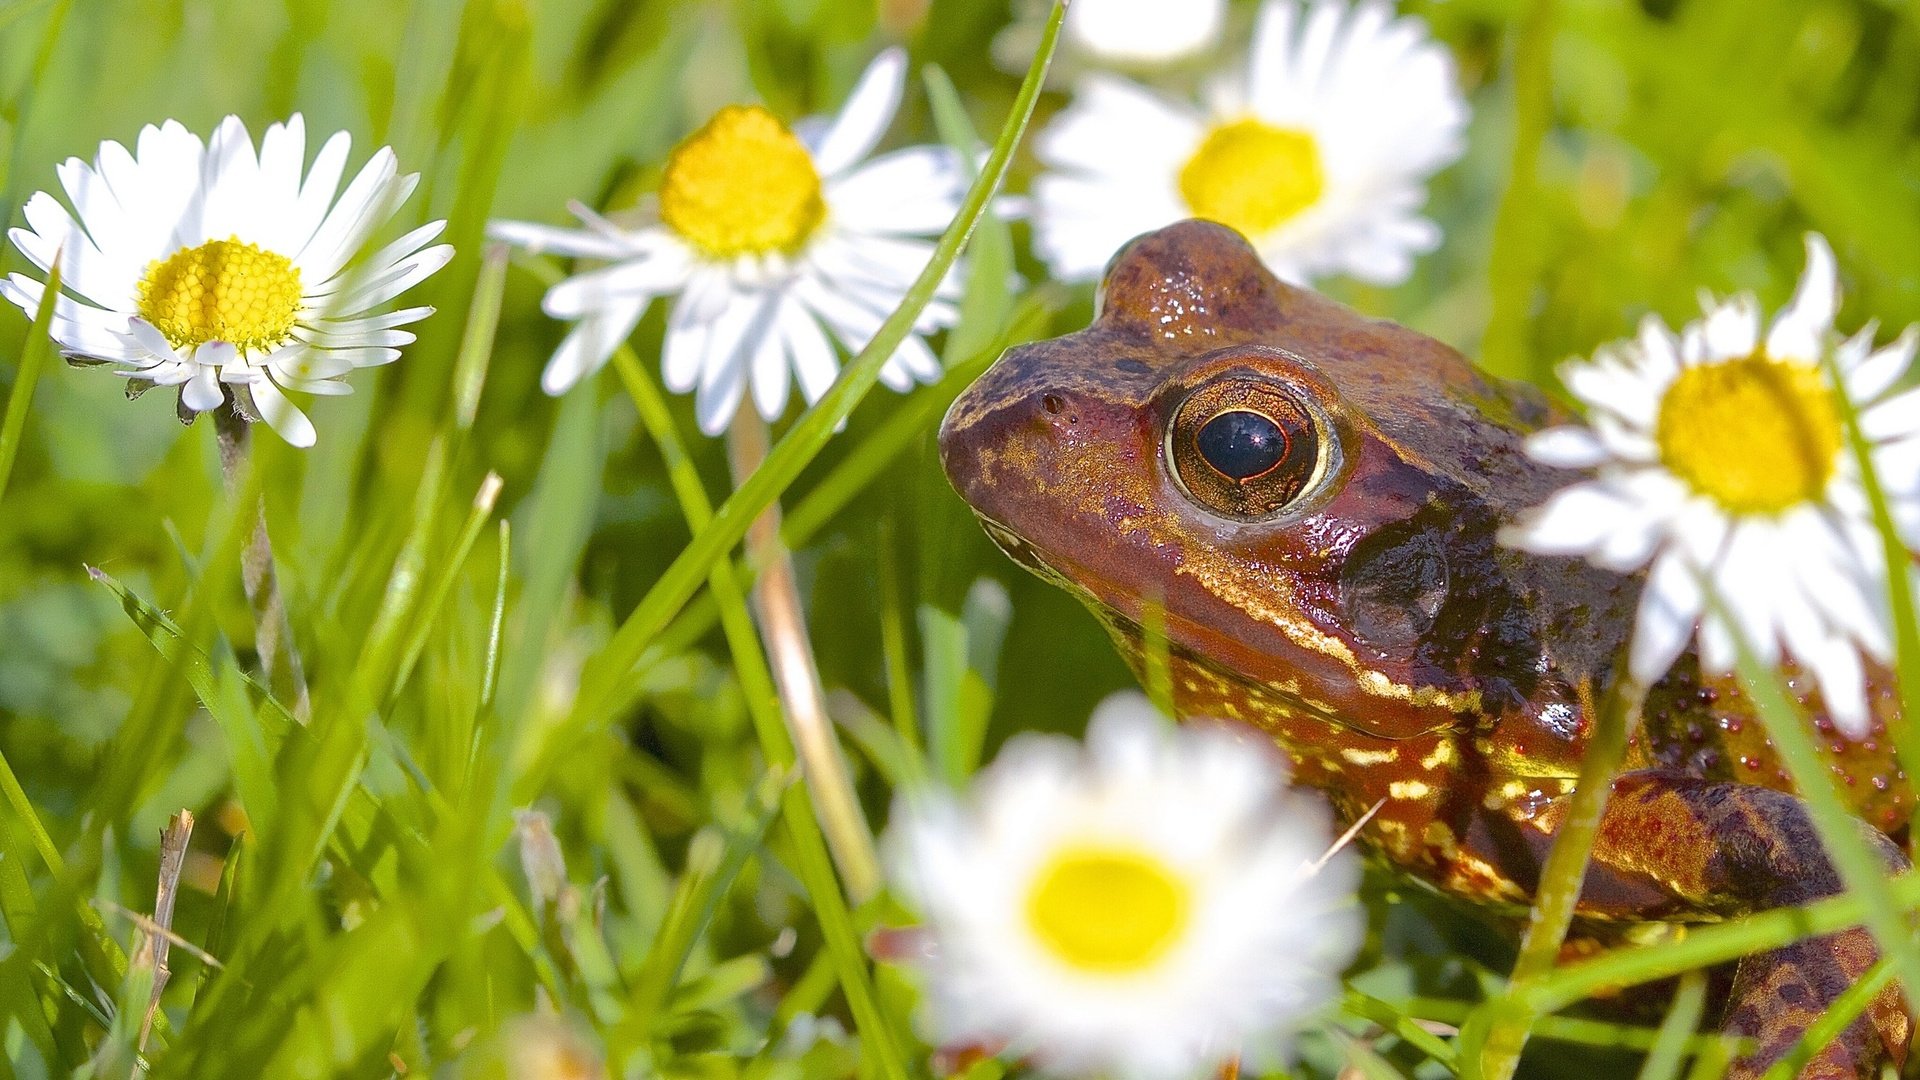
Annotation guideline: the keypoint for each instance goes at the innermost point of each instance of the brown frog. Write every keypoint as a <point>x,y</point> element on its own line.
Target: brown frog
<point>1309,499</point>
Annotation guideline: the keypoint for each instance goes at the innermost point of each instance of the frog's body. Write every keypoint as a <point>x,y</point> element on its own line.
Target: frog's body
<point>1353,600</point>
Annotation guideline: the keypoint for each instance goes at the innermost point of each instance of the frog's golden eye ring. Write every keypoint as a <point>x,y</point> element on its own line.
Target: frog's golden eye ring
<point>1247,448</point>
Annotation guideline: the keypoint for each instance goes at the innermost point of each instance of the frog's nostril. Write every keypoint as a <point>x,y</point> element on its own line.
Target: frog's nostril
<point>1055,408</point>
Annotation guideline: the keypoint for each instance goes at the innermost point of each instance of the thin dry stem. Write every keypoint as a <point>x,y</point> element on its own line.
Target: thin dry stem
<point>783,626</point>
<point>159,937</point>
<point>145,924</point>
<point>273,635</point>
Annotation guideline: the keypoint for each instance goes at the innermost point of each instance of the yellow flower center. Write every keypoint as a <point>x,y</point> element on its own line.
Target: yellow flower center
<point>223,290</point>
<point>742,185</point>
<point>1108,911</point>
<point>1756,435</point>
<point>1252,176</point>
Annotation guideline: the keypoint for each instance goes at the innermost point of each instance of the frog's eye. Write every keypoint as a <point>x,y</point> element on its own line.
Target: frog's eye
<point>1246,449</point>
<point>1242,444</point>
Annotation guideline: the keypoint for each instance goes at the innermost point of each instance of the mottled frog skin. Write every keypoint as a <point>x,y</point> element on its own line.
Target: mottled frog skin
<point>1310,499</point>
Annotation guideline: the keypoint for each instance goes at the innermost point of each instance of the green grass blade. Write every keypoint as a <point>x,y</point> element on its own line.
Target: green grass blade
<point>987,304</point>
<point>1669,1050</point>
<point>1491,1042</point>
<point>24,813</point>
<point>1706,946</point>
<point>451,565</point>
<point>557,519</point>
<point>1515,262</point>
<point>893,644</point>
<point>1580,1030</point>
<point>713,862</point>
<point>1405,1027</point>
<point>33,357</point>
<point>28,920</point>
<point>496,624</point>
<point>961,663</point>
<point>1364,1061</point>
<point>15,113</point>
<point>220,691</point>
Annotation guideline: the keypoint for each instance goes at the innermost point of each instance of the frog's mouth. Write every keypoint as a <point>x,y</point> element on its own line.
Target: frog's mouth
<point>1022,552</point>
<point>1130,636</point>
<point>1028,556</point>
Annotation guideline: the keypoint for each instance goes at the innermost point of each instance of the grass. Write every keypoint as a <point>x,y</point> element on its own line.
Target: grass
<point>547,772</point>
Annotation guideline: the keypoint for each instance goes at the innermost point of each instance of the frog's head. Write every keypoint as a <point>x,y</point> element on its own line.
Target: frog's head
<point>1309,496</point>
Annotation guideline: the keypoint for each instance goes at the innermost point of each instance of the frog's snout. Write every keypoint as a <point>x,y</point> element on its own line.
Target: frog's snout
<point>996,427</point>
<point>1024,439</point>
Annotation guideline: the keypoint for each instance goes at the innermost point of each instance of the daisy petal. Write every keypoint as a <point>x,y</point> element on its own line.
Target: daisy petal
<point>280,414</point>
<point>771,375</point>
<point>1801,330</point>
<point>1670,606</point>
<point>1566,448</point>
<point>813,358</point>
<point>1574,522</point>
<point>589,344</point>
<point>202,392</point>
<point>865,116</point>
<point>369,200</point>
<point>540,239</point>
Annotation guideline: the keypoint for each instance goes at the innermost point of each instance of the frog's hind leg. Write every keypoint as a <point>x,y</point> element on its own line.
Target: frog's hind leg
<point>1777,994</point>
<point>1673,846</point>
<point>1730,849</point>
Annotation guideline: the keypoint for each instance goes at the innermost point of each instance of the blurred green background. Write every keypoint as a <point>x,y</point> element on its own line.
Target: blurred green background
<point>1621,156</point>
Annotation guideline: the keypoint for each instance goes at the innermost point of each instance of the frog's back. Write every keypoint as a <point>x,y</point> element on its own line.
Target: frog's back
<point>1706,726</point>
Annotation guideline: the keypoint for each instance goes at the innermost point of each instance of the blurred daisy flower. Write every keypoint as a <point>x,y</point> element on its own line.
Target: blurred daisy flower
<point>772,239</point>
<point>1134,35</point>
<point>1721,459</point>
<point>228,273</point>
<point>1318,151</point>
<point>1147,906</point>
<point>544,1047</point>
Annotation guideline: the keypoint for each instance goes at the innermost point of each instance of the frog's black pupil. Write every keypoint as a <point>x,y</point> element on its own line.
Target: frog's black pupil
<point>1241,444</point>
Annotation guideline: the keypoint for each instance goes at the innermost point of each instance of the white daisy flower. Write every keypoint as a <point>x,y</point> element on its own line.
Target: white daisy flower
<point>772,239</point>
<point>1317,152</point>
<point>1721,459</point>
<point>1146,907</point>
<point>1137,35</point>
<point>208,266</point>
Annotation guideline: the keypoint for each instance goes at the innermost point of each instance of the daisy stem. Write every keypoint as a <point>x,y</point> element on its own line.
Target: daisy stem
<point>1562,877</point>
<point>783,623</point>
<point>273,636</point>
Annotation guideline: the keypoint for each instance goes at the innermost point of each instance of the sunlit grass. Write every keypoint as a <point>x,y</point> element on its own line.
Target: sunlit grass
<point>547,771</point>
